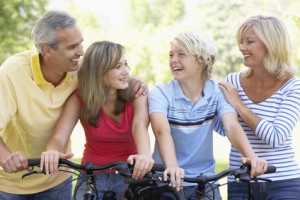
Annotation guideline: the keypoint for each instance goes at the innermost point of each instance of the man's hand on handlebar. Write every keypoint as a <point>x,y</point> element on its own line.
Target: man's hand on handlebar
<point>139,87</point>
<point>49,160</point>
<point>142,165</point>
<point>15,162</point>
<point>258,166</point>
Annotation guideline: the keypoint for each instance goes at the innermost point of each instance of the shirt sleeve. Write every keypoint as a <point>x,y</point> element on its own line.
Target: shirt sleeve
<point>8,105</point>
<point>275,133</point>
<point>158,101</point>
<point>223,107</point>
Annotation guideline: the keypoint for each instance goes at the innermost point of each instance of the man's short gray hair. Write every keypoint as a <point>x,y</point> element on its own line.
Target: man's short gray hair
<point>44,30</point>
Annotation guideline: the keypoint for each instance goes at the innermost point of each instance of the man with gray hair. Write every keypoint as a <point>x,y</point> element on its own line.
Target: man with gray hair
<point>34,86</point>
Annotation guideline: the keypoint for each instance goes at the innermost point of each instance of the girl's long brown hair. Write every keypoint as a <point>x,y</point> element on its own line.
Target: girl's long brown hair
<point>99,58</point>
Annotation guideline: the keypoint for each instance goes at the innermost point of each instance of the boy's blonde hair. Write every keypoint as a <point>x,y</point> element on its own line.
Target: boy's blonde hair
<point>200,46</point>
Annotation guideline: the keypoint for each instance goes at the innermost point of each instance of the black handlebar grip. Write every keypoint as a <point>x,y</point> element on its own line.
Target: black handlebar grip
<point>270,169</point>
<point>158,167</point>
<point>129,180</point>
<point>34,162</point>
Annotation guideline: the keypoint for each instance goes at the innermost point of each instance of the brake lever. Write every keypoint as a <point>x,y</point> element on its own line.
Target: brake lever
<point>243,174</point>
<point>261,179</point>
<point>124,171</point>
<point>31,173</point>
<point>245,177</point>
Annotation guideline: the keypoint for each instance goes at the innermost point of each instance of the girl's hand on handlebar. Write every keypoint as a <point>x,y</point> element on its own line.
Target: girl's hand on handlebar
<point>142,165</point>
<point>258,166</point>
<point>49,160</point>
<point>176,175</point>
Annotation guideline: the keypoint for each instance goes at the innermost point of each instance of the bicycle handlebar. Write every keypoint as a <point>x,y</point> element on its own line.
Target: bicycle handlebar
<point>125,169</point>
<point>242,173</point>
<point>118,165</point>
<point>36,162</point>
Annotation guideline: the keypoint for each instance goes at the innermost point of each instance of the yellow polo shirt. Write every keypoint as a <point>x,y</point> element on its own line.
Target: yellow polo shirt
<point>29,109</point>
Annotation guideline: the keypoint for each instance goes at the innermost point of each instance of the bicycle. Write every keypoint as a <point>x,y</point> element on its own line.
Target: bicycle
<point>122,168</point>
<point>240,174</point>
<point>152,185</point>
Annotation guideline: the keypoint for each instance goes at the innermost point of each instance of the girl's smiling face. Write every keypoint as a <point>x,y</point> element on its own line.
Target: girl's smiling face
<point>118,76</point>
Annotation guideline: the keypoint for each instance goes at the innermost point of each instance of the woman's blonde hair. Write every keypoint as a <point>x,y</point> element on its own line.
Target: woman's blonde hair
<point>99,58</point>
<point>200,46</point>
<point>273,34</point>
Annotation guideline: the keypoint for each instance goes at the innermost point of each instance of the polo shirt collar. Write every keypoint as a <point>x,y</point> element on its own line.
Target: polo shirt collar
<point>178,91</point>
<point>37,72</point>
<point>209,89</point>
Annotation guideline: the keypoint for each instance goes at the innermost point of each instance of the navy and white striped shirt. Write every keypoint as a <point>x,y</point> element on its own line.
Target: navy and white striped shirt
<point>272,138</point>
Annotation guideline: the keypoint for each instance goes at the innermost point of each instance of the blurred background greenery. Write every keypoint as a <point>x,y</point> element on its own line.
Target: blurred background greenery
<point>145,27</point>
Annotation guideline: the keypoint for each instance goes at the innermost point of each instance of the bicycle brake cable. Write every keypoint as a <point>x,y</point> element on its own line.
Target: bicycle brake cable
<point>32,172</point>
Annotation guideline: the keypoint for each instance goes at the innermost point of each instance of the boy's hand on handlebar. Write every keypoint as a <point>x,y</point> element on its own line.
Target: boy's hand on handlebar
<point>15,162</point>
<point>258,166</point>
<point>142,165</point>
<point>49,160</point>
<point>176,175</point>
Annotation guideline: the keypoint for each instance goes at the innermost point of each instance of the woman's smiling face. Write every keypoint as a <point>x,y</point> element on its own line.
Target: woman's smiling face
<point>252,48</point>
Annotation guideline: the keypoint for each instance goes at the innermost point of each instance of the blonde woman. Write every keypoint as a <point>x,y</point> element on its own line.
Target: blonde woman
<point>266,96</point>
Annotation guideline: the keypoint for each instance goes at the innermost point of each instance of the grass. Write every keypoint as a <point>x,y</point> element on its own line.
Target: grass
<point>221,165</point>
<point>77,160</point>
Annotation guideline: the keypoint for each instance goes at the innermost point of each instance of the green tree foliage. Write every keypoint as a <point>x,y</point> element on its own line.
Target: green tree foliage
<point>92,24</point>
<point>221,18</point>
<point>16,21</point>
<point>293,16</point>
<point>151,22</point>
<point>146,27</point>
<point>156,12</point>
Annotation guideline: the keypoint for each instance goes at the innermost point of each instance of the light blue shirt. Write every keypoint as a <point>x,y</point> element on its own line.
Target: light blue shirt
<point>191,124</point>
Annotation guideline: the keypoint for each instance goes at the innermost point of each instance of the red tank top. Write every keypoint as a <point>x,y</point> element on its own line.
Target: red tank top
<point>109,141</point>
